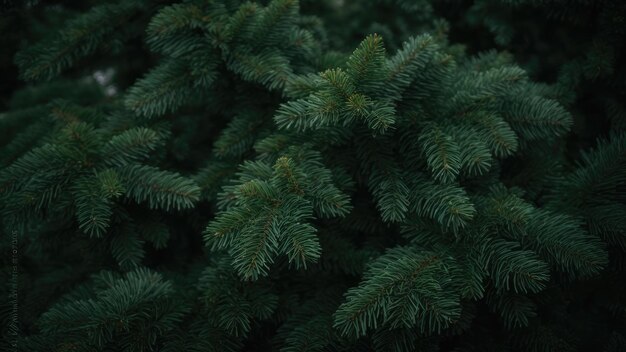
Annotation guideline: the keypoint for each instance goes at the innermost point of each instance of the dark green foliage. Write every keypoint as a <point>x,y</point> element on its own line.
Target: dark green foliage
<point>80,37</point>
<point>132,312</point>
<point>292,175</point>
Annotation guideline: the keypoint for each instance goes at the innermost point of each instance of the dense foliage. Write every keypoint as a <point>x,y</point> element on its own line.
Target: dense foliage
<point>392,175</point>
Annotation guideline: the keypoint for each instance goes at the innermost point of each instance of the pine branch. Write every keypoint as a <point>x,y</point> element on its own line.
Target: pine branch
<point>130,146</point>
<point>366,66</point>
<point>161,189</point>
<point>81,37</point>
<point>442,153</point>
<point>401,288</point>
